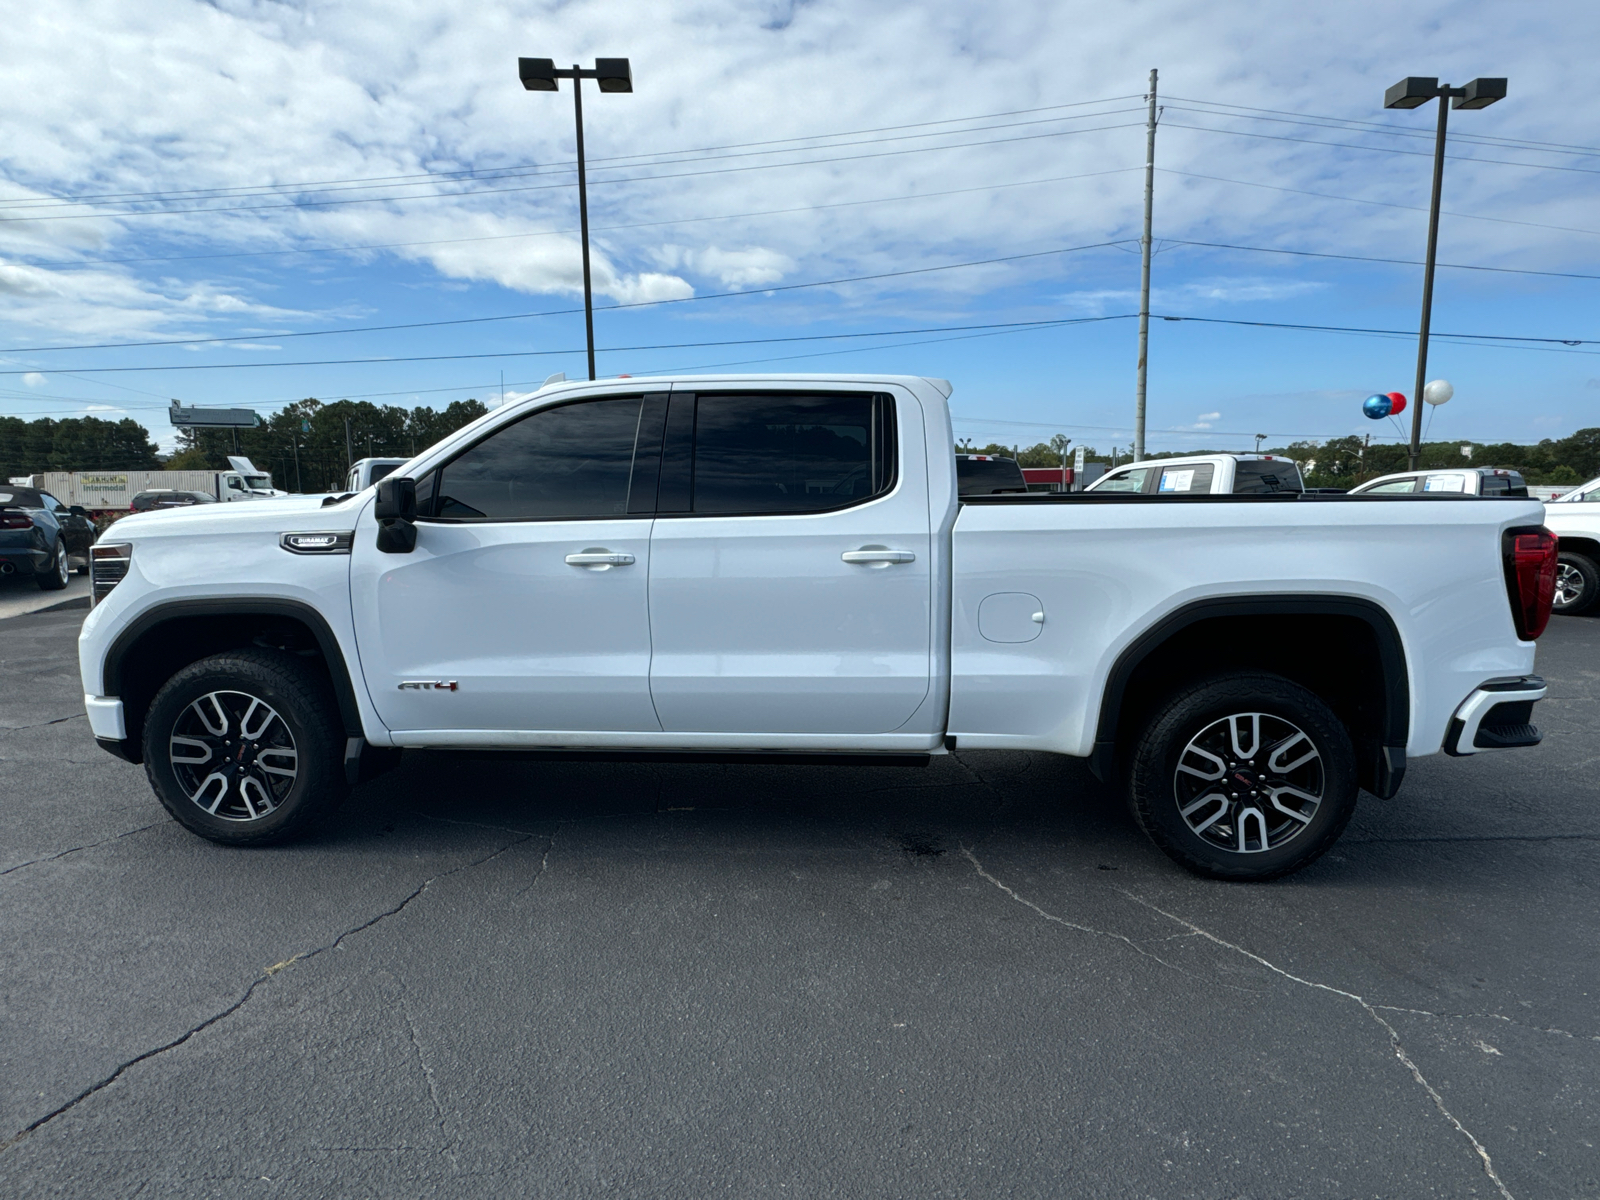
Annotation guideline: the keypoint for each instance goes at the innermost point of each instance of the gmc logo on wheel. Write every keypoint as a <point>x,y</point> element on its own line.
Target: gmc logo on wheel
<point>429,685</point>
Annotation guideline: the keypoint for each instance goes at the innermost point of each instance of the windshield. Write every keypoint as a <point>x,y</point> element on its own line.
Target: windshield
<point>258,483</point>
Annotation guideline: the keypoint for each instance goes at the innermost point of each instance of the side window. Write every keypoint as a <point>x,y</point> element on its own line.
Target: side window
<point>51,503</point>
<point>1130,480</point>
<point>353,480</point>
<point>571,461</point>
<point>1187,480</point>
<point>1445,483</point>
<point>1409,484</point>
<point>790,454</point>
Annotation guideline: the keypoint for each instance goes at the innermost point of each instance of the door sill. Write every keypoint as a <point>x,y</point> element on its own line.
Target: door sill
<point>675,743</point>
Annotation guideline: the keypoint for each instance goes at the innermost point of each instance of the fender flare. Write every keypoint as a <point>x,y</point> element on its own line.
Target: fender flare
<point>338,669</point>
<point>1396,724</point>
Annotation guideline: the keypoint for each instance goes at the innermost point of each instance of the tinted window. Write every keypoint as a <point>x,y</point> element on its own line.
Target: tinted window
<point>985,476</point>
<point>572,461</point>
<point>1509,484</point>
<point>1191,479</point>
<point>1131,480</point>
<point>1255,475</point>
<point>788,454</point>
<point>381,471</point>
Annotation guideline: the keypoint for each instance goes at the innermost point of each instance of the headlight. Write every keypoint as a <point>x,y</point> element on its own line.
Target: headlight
<point>108,564</point>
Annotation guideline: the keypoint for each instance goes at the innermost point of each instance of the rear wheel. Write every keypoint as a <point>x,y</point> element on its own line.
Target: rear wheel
<point>243,749</point>
<point>1577,583</point>
<point>56,573</point>
<point>1245,776</point>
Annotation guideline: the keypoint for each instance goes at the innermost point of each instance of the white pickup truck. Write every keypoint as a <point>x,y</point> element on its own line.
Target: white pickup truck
<point>1204,474</point>
<point>782,565</point>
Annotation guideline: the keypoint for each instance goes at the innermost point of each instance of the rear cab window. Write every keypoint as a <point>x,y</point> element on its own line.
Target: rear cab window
<point>985,476</point>
<point>1257,476</point>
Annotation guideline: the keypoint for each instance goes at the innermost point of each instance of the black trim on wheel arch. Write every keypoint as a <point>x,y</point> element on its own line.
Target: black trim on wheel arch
<point>1391,765</point>
<point>338,669</point>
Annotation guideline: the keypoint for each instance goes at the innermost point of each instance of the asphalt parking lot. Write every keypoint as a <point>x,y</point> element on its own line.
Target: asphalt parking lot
<point>490,978</point>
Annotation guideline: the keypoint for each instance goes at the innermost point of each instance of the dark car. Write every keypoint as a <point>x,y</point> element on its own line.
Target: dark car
<point>988,475</point>
<point>156,498</point>
<point>40,536</point>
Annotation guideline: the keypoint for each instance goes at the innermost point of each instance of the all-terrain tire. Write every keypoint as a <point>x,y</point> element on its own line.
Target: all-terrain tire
<point>245,748</point>
<point>1244,776</point>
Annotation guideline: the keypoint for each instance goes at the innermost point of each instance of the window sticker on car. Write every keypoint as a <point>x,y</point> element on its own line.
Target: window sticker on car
<point>1445,483</point>
<point>1177,481</point>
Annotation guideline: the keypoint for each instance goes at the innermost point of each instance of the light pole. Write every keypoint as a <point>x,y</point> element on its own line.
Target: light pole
<point>611,75</point>
<point>1413,92</point>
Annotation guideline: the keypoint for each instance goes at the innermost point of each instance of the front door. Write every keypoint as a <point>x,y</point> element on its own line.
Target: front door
<point>523,606</point>
<point>790,565</point>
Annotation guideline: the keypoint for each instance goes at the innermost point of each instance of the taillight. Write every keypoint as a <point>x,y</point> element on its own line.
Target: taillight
<point>108,566</point>
<point>1530,557</point>
<point>10,520</point>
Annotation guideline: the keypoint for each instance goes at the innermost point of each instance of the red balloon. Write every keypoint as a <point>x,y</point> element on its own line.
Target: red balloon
<point>1399,403</point>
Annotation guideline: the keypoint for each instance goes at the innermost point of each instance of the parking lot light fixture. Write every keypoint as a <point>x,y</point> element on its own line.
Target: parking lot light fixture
<point>610,75</point>
<point>1413,92</point>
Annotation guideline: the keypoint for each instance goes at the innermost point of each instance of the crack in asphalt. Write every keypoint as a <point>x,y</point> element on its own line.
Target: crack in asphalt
<point>448,1150</point>
<point>1423,1012</point>
<point>41,724</point>
<point>88,846</point>
<point>1371,1010</point>
<point>250,991</point>
<point>1026,903</point>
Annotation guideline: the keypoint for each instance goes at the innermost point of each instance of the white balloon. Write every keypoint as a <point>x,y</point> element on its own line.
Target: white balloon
<point>1438,391</point>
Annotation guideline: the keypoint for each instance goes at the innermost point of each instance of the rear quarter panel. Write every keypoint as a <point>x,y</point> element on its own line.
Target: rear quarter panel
<point>1106,572</point>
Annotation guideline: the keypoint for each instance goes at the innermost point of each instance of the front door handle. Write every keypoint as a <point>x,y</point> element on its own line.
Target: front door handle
<point>599,558</point>
<point>878,556</point>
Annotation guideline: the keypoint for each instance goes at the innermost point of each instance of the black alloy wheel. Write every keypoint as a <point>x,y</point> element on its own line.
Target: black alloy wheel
<point>1245,776</point>
<point>244,748</point>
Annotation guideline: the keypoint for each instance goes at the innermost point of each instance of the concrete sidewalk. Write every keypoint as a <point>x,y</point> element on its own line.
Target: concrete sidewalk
<point>19,596</point>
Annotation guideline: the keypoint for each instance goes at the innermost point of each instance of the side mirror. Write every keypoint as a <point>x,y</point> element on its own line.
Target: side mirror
<point>397,500</point>
<point>396,509</point>
<point>78,510</point>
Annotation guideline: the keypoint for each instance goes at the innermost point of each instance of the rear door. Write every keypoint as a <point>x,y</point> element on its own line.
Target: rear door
<point>791,564</point>
<point>523,605</point>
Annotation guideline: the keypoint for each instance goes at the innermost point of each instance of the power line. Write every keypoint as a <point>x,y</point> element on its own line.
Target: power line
<point>509,171</point>
<point>788,287</point>
<point>167,212</point>
<point>815,337</point>
<point>1401,130</point>
<point>1404,262</point>
<point>1380,203</point>
<point>1407,333</point>
<point>1278,137</point>
<point>500,237</point>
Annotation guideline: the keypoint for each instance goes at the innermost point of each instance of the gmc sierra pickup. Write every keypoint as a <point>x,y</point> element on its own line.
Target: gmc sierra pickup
<point>782,564</point>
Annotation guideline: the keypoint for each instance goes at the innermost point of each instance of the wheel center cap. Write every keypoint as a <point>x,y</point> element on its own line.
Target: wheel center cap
<point>1244,778</point>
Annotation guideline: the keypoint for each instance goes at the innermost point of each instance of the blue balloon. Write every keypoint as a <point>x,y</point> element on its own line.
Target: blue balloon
<point>1377,407</point>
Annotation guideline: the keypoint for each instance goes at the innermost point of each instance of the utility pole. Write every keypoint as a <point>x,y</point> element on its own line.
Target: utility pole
<point>349,458</point>
<point>298,486</point>
<point>1144,270</point>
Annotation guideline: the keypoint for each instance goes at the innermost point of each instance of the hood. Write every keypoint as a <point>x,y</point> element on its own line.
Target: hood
<point>279,514</point>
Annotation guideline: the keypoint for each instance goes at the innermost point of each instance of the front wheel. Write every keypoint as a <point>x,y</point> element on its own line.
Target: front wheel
<point>243,747</point>
<point>57,573</point>
<point>1577,583</point>
<point>1244,777</point>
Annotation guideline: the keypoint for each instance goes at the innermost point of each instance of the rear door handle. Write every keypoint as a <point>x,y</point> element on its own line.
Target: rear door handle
<point>878,557</point>
<point>599,558</point>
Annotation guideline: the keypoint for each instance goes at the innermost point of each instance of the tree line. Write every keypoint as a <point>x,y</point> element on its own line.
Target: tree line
<point>74,444</point>
<point>308,446</point>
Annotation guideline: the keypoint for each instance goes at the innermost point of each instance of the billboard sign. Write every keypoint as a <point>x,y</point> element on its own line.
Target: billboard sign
<point>223,418</point>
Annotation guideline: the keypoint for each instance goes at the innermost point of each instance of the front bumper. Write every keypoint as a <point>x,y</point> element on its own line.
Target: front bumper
<point>1497,716</point>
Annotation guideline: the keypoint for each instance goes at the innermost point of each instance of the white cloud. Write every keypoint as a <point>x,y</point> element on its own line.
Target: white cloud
<point>33,379</point>
<point>237,93</point>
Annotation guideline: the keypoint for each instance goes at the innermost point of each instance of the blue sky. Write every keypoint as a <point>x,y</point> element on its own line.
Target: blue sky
<point>248,171</point>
